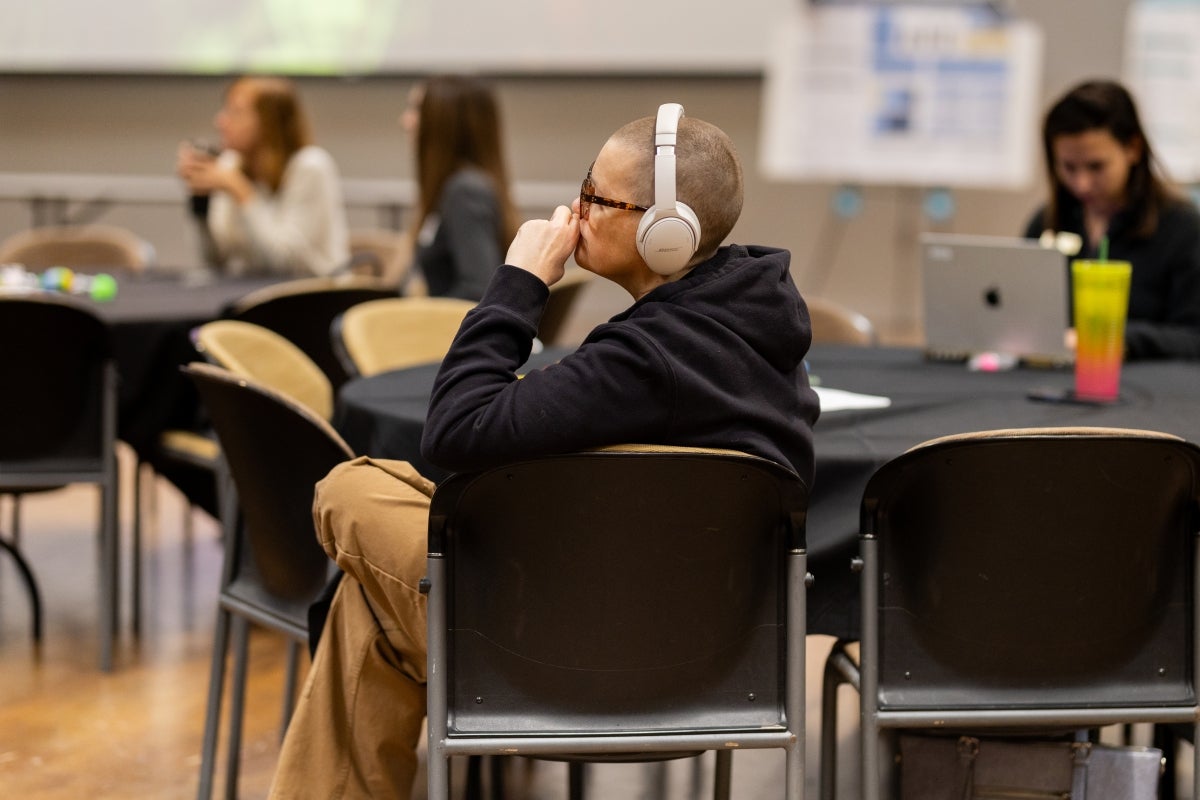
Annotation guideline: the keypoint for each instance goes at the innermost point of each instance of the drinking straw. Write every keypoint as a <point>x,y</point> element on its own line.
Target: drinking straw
<point>1103,254</point>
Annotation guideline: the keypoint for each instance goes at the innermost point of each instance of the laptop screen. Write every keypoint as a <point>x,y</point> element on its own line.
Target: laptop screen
<point>992,294</point>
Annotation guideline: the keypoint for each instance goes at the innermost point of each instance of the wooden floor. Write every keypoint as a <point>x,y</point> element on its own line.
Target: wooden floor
<point>69,731</point>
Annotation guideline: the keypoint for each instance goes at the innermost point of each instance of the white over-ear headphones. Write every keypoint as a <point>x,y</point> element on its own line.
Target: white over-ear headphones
<point>669,233</point>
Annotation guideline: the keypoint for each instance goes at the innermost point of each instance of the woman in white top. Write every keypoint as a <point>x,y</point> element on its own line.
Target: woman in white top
<point>270,202</point>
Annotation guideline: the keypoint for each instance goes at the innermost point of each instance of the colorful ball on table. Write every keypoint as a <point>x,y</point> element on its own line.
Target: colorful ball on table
<point>104,287</point>
<point>58,279</point>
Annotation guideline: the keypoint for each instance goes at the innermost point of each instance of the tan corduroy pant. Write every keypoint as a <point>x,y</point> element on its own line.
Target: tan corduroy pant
<point>357,723</point>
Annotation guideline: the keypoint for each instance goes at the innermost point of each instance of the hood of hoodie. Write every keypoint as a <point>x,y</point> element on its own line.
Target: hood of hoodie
<point>749,291</point>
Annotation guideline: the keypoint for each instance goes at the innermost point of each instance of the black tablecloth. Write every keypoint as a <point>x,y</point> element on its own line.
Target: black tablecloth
<point>384,415</point>
<point>151,319</point>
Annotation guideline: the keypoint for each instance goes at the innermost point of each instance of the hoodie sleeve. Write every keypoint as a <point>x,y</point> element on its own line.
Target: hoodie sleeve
<point>615,388</point>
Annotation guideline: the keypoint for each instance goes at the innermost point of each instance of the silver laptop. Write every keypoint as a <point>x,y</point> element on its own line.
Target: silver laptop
<point>994,294</point>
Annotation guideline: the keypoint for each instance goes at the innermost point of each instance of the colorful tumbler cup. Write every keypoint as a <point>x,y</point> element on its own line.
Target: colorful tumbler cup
<point>1100,291</point>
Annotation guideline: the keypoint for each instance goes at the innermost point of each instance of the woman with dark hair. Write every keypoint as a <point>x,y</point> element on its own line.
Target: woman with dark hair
<point>1107,192</point>
<point>271,201</point>
<point>465,215</point>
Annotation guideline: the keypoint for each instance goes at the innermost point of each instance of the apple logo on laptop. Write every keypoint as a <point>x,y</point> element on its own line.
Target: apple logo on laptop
<point>991,297</point>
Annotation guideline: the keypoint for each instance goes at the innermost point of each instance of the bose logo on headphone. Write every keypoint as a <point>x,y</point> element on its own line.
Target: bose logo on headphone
<point>669,233</point>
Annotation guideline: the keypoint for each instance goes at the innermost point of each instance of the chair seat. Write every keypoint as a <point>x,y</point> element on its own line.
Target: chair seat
<point>251,601</point>
<point>29,489</point>
<point>41,475</point>
<point>194,447</point>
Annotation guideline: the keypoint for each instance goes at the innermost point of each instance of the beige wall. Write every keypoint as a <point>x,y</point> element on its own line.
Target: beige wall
<point>555,125</point>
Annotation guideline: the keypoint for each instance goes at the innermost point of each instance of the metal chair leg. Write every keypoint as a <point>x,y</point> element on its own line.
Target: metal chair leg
<point>35,597</point>
<point>16,520</point>
<point>237,705</point>
<point>497,775</point>
<point>136,567</point>
<point>474,790</point>
<point>289,685</point>
<point>1165,740</point>
<point>839,669</point>
<point>576,778</point>
<point>110,568</point>
<point>212,714</point>
<point>723,774</point>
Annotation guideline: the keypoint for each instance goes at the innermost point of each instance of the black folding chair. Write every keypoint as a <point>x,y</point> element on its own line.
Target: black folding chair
<point>274,451</point>
<point>58,415</point>
<point>1039,579</point>
<point>625,604</point>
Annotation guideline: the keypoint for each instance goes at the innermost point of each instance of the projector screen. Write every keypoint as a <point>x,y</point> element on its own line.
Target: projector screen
<point>363,37</point>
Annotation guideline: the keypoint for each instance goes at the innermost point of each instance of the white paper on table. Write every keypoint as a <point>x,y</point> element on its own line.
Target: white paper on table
<point>842,400</point>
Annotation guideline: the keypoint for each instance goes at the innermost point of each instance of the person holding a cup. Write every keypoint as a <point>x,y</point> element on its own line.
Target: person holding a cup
<point>266,200</point>
<point>1108,201</point>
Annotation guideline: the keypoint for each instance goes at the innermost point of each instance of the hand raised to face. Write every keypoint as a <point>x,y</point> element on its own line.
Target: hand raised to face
<point>542,246</point>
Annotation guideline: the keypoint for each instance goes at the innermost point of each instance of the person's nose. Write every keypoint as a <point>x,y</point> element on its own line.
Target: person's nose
<point>1079,183</point>
<point>575,208</point>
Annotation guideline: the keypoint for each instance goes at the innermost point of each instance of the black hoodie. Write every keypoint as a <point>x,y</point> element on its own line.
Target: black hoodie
<point>715,359</point>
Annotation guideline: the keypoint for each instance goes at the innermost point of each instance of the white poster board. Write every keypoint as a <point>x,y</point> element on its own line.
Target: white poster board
<point>1162,69</point>
<point>908,95</point>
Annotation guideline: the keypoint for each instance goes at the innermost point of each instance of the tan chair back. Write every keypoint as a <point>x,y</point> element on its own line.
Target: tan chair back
<point>78,246</point>
<point>834,323</point>
<point>382,253</point>
<point>307,286</point>
<point>254,352</point>
<point>303,312</point>
<point>394,333</point>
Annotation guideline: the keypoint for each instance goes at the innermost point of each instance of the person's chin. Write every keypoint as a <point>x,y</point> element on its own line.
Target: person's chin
<point>580,255</point>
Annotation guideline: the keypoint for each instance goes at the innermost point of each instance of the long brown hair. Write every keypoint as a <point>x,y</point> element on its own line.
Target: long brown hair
<point>282,127</point>
<point>460,126</point>
<point>1105,106</point>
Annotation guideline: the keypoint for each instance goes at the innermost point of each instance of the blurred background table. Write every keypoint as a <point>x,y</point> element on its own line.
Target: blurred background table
<point>151,319</point>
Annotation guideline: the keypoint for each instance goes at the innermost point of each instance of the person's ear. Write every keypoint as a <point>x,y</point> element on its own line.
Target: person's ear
<point>1135,150</point>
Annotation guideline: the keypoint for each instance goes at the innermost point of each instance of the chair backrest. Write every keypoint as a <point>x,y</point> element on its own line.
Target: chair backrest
<point>303,310</point>
<point>102,246</point>
<point>57,359</point>
<point>1033,568</point>
<point>620,589</point>
<point>386,254</point>
<point>563,297</point>
<point>834,323</point>
<point>266,357</point>
<point>398,332</point>
<point>276,450</point>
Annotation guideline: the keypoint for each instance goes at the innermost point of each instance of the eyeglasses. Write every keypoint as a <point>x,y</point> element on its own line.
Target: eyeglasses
<point>586,198</point>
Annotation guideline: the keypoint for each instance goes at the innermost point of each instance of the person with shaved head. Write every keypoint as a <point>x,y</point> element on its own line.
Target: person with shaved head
<point>710,353</point>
